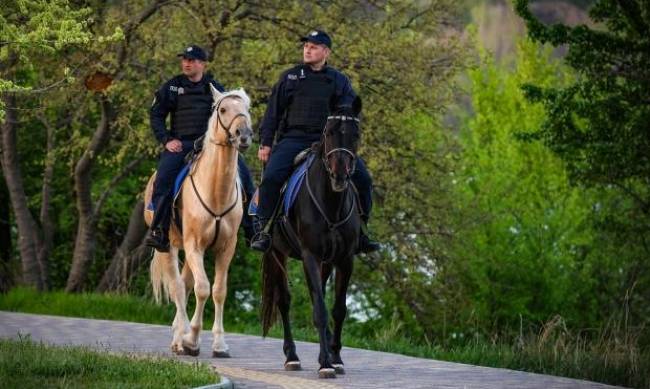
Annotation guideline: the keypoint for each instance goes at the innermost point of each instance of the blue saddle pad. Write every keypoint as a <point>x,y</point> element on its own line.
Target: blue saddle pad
<point>294,183</point>
<point>177,184</point>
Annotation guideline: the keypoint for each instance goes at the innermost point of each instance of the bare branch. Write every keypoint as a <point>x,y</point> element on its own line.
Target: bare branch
<point>130,167</point>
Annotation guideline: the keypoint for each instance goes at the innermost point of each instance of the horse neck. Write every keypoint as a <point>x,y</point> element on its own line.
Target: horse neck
<point>215,173</point>
<point>332,203</point>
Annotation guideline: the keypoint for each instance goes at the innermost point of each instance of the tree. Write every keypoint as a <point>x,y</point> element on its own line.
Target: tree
<point>31,29</point>
<point>600,126</point>
<point>600,123</point>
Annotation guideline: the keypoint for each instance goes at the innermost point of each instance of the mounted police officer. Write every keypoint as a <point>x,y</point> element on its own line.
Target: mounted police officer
<point>188,99</point>
<point>296,114</point>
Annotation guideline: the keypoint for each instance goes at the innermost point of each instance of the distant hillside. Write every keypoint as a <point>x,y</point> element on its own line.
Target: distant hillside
<point>499,26</point>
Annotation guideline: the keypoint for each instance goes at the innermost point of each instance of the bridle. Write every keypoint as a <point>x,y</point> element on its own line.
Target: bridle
<point>230,143</point>
<point>333,225</point>
<point>327,154</point>
<point>231,138</point>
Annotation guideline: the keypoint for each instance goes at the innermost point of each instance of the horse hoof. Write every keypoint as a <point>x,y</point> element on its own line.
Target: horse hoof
<point>292,366</point>
<point>327,372</point>
<point>191,352</point>
<point>220,354</point>
<point>339,368</point>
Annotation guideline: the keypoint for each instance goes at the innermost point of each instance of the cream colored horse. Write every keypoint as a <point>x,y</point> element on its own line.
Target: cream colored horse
<point>210,204</point>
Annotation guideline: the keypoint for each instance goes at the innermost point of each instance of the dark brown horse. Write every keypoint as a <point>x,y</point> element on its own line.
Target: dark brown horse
<point>321,229</point>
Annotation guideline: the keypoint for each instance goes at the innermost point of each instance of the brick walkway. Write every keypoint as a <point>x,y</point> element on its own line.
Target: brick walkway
<point>258,363</point>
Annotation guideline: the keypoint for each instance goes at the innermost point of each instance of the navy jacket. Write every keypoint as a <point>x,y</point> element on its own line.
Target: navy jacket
<point>281,97</point>
<point>165,102</point>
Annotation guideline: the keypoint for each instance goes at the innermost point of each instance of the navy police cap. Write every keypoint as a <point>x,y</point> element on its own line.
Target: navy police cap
<point>319,37</point>
<point>194,52</point>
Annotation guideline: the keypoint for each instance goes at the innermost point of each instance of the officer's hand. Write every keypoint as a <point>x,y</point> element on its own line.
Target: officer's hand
<point>264,153</point>
<point>174,145</point>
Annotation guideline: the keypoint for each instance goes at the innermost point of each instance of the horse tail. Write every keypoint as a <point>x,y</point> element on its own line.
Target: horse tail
<point>273,277</point>
<point>158,279</point>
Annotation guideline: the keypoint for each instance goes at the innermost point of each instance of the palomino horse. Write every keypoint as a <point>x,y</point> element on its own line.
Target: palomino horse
<point>211,209</point>
<point>322,229</point>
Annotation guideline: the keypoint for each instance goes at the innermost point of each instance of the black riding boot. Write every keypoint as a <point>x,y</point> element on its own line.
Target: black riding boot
<point>157,238</point>
<point>366,245</point>
<point>261,240</point>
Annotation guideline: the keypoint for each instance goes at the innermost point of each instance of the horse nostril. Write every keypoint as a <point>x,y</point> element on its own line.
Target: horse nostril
<point>238,132</point>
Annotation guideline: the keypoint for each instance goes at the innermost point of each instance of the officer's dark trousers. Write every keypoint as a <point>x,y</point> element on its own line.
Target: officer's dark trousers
<point>169,165</point>
<point>280,166</point>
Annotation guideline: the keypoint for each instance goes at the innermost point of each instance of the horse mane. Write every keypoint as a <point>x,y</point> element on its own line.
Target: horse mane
<point>238,93</point>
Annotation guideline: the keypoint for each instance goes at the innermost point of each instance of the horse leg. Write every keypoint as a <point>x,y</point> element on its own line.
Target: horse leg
<point>188,280</point>
<point>312,274</point>
<point>194,259</point>
<point>176,288</point>
<point>284,305</point>
<point>339,311</point>
<point>219,291</point>
<point>326,271</point>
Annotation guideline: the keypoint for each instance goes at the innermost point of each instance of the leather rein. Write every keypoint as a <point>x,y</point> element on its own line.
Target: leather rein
<point>218,216</point>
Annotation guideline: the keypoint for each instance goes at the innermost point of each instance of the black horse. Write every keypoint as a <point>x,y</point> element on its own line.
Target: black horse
<point>322,229</point>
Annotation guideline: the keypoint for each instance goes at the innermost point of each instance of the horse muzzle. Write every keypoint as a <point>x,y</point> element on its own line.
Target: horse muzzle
<point>245,139</point>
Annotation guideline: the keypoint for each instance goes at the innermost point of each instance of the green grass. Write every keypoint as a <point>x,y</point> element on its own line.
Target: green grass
<point>26,364</point>
<point>613,356</point>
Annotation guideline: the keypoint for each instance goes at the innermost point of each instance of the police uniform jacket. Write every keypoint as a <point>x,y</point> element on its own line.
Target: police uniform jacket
<point>300,101</point>
<point>190,106</point>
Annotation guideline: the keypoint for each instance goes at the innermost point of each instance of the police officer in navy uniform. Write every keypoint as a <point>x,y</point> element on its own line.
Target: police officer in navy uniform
<point>296,114</point>
<point>188,99</point>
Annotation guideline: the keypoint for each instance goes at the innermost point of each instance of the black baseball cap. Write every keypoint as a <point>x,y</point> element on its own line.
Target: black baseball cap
<point>319,37</point>
<point>194,52</point>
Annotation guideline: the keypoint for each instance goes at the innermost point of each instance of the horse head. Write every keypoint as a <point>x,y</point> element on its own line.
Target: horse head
<point>340,142</point>
<point>230,122</point>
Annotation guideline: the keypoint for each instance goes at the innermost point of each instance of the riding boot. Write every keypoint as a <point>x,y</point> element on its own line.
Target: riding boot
<point>261,240</point>
<point>157,238</point>
<point>367,245</point>
<point>158,235</point>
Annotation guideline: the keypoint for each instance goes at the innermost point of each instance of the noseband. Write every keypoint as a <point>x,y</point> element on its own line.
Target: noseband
<point>327,154</point>
<point>231,138</point>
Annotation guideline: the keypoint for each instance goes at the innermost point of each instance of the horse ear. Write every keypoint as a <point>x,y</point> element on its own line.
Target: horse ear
<point>216,95</point>
<point>356,106</point>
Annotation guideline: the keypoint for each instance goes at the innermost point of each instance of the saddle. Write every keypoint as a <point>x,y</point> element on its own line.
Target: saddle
<point>289,190</point>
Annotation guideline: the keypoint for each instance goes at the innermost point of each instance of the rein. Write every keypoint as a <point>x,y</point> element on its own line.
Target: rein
<point>217,217</point>
<point>330,224</point>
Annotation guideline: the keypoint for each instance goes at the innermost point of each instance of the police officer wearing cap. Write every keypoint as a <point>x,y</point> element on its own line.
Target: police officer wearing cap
<point>188,100</point>
<point>295,117</point>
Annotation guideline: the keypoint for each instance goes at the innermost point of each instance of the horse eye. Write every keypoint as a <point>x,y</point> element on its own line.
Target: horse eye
<point>222,110</point>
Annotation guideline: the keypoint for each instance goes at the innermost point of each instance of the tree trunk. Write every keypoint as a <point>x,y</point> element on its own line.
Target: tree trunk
<point>6,268</point>
<point>28,238</point>
<point>84,248</point>
<point>126,258</point>
<point>46,221</point>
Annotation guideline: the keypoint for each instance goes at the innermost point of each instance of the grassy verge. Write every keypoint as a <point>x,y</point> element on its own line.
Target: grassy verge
<point>610,357</point>
<point>25,364</point>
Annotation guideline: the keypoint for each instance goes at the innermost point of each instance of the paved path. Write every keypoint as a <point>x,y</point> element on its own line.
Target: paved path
<point>257,363</point>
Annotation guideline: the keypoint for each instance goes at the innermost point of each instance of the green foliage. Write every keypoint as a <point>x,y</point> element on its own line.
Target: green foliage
<point>598,124</point>
<point>26,364</point>
<point>522,226</point>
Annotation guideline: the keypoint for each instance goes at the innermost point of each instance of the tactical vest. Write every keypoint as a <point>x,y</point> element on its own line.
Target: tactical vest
<point>193,109</point>
<point>309,105</point>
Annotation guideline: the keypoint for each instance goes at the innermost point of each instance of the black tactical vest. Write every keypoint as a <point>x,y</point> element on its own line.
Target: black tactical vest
<point>193,109</point>
<point>309,105</point>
